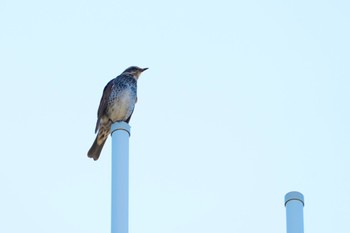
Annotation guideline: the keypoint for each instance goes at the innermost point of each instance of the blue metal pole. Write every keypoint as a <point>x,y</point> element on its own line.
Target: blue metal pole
<point>120,177</point>
<point>294,202</point>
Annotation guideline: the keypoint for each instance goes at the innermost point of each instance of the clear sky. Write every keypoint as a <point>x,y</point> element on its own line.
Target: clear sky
<point>243,102</point>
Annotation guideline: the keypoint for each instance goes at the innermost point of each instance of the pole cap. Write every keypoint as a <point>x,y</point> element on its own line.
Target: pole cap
<point>120,125</point>
<point>293,196</point>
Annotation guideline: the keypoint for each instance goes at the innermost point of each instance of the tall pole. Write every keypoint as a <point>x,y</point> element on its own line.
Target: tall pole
<point>120,177</point>
<point>294,202</point>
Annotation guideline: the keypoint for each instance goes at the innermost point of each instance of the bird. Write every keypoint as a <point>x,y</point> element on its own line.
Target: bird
<point>117,104</point>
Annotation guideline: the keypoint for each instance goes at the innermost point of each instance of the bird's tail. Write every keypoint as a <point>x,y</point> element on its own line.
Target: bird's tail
<point>97,146</point>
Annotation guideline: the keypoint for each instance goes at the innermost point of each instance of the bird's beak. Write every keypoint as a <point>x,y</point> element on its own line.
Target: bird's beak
<point>144,69</point>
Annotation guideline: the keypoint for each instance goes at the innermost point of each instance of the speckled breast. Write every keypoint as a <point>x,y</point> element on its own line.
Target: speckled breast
<point>121,102</point>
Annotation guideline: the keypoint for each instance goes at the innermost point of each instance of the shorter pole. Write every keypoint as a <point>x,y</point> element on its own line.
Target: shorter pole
<point>120,132</point>
<point>294,202</point>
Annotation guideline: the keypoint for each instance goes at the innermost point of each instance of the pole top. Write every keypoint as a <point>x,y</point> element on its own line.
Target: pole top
<point>293,196</point>
<point>120,125</point>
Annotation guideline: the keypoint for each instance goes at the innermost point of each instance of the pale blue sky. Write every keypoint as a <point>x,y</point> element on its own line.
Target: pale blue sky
<point>244,101</point>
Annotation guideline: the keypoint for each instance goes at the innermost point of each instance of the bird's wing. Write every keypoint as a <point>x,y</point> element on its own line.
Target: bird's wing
<point>103,103</point>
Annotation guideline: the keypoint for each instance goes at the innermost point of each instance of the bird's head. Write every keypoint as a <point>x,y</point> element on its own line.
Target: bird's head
<point>134,71</point>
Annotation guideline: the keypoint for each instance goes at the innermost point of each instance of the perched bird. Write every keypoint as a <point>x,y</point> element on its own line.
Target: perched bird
<point>117,104</point>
